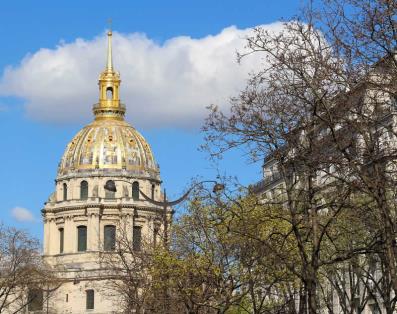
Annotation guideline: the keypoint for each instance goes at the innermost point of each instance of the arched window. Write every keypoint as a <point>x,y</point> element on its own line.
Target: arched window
<point>109,194</point>
<point>109,93</point>
<point>135,191</point>
<point>83,190</point>
<point>81,238</point>
<point>65,191</point>
<point>153,189</point>
<point>110,238</point>
<point>61,237</point>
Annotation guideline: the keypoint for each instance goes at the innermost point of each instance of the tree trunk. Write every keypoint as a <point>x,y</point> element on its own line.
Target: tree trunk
<point>302,301</point>
<point>311,287</point>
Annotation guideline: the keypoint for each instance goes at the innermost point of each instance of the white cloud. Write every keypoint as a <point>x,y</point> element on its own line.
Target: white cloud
<point>22,214</point>
<point>167,84</point>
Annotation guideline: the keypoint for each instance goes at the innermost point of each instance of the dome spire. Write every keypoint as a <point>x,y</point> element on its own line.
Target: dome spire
<point>109,106</point>
<point>109,66</point>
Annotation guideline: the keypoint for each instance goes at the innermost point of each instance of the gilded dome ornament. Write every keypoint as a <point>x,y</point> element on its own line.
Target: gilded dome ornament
<point>109,143</point>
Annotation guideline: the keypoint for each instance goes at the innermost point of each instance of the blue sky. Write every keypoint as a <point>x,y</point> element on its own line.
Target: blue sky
<point>36,120</point>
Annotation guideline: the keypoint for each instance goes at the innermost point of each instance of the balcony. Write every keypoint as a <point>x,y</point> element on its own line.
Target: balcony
<point>263,184</point>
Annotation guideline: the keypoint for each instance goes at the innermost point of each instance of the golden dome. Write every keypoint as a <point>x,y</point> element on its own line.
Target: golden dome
<point>109,143</point>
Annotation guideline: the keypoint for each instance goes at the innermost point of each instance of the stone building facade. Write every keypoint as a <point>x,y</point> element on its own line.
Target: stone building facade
<point>361,289</point>
<point>82,218</point>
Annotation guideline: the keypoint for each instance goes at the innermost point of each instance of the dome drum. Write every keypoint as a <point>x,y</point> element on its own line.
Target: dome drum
<point>106,173</point>
<point>70,190</point>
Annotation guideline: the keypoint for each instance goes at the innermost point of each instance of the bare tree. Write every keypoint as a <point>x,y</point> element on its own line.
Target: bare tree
<point>23,275</point>
<point>307,110</point>
<point>127,266</point>
<point>364,34</point>
<point>277,115</point>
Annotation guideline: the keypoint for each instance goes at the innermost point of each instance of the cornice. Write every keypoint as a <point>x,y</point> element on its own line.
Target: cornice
<point>111,173</point>
<point>56,210</point>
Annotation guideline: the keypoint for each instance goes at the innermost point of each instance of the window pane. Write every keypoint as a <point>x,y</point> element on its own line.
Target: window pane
<point>35,300</point>
<point>84,190</point>
<point>89,299</point>
<point>135,191</point>
<point>137,238</point>
<point>65,192</point>
<point>61,235</point>
<point>81,238</point>
<point>110,238</point>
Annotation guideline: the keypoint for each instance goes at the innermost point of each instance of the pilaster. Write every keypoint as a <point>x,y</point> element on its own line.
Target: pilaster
<point>93,229</point>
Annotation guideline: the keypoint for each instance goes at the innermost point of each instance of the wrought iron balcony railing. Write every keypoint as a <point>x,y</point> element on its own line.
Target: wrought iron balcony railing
<point>264,183</point>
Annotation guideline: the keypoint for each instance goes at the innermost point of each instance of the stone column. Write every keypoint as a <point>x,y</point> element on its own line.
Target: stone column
<point>124,228</point>
<point>70,245</point>
<point>46,238</point>
<point>129,225</point>
<point>53,237</point>
<point>89,232</point>
<point>144,222</point>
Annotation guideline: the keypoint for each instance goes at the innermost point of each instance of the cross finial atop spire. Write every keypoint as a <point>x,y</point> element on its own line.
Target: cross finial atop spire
<point>110,24</point>
<point>109,106</point>
<point>109,66</point>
